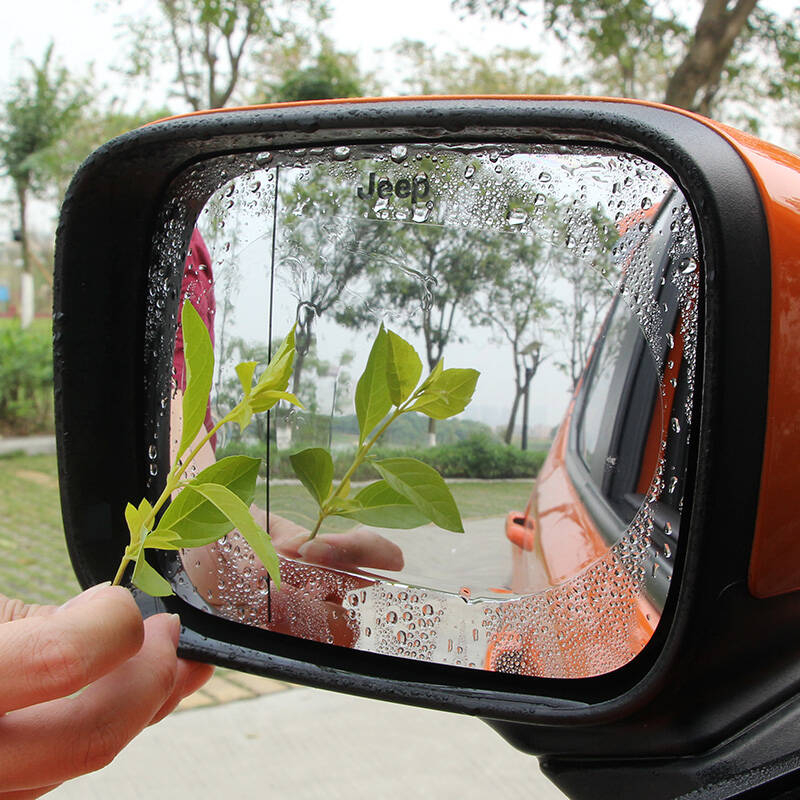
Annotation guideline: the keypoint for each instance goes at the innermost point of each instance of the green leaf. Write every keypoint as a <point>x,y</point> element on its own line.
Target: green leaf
<point>449,394</point>
<point>241,414</point>
<point>314,468</point>
<point>279,369</point>
<point>435,373</point>
<point>403,368</point>
<point>239,514</point>
<point>382,506</point>
<point>424,487</point>
<point>373,402</point>
<point>264,399</point>
<point>164,539</point>
<point>245,372</point>
<point>199,357</point>
<point>193,518</point>
<point>134,521</point>
<point>148,580</point>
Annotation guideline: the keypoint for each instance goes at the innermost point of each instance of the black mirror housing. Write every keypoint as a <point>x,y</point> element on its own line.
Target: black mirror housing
<point>714,664</point>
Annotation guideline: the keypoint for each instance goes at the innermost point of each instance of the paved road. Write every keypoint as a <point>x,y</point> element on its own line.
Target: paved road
<point>306,744</point>
<point>29,445</point>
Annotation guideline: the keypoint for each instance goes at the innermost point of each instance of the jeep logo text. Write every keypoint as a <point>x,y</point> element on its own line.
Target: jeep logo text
<point>417,188</point>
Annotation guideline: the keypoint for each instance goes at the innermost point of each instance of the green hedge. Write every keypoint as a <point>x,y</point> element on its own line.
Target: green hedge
<point>479,456</point>
<point>26,379</point>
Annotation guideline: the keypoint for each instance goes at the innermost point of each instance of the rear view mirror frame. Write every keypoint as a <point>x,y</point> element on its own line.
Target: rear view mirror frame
<point>103,251</point>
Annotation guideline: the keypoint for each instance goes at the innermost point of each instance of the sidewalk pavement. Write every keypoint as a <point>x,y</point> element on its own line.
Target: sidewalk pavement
<point>307,744</point>
<point>29,445</point>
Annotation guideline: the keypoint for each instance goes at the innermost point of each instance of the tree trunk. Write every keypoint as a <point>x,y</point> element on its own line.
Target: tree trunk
<point>26,303</point>
<point>512,419</point>
<point>695,82</point>
<point>431,432</point>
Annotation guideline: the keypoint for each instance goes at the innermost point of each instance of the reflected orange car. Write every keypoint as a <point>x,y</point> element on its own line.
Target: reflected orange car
<point>612,482</point>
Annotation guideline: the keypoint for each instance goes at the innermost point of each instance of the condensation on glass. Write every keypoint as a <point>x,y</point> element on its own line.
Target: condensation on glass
<point>570,278</point>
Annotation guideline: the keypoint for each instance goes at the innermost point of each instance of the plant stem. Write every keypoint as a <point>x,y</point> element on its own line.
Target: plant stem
<point>121,570</point>
<point>357,461</point>
<point>172,483</point>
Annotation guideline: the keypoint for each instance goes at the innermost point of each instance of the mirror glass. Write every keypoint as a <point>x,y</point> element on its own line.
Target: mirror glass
<point>548,295</point>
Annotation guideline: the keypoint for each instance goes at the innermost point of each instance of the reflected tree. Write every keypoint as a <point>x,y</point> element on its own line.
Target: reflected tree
<point>323,248</point>
<point>516,305</point>
<point>430,283</point>
<point>585,266</point>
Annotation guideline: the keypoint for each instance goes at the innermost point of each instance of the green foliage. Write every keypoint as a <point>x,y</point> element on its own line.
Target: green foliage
<point>26,379</point>
<point>724,60</point>
<point>330,74</point>
<point>410,490</point>
<point>37,115</point>
<point>483,457</point>
<point>219,49</point>
<point>217,499</point>
<point>502,72</point>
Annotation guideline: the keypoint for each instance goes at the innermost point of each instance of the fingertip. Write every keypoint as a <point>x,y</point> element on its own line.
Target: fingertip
<point>319,552</point>
<point>169,624</point>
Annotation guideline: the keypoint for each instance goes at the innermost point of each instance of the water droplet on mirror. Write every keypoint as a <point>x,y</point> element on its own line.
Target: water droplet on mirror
<point>341,153</point>
<point>263,157</point>
<point>516,217</point>
<point>421,213</point>
<point>544,177</point>
<point>676,425</point>
<point>688,266</point>
<point>399,153</point>
<point>646,203</point>
<point>469,171</point>
<point>154,469</point>
<point>152,452</point>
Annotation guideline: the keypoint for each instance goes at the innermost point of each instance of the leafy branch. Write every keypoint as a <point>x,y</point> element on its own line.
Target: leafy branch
<point>218,499</point>
<point>409,493</point>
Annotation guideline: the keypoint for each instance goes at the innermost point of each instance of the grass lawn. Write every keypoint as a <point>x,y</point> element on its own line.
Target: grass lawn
<point>33,556</point>
<point>473,498</point>
<point>34,565</point>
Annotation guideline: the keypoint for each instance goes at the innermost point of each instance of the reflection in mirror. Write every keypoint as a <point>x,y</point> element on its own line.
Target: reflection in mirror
<point>569,279</point>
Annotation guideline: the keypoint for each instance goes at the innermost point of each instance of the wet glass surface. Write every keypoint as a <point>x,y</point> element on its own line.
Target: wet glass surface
<point>569,279</point>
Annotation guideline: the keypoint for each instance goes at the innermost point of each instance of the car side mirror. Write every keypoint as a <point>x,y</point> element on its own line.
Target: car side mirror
<point>620,275</point>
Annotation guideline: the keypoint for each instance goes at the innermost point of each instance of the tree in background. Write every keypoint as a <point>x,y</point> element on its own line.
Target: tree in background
<point>310,72</point>
<point>427,279</point>
<point>40,110</point>
<point>516,304</point>
<point>586,266</point>
<point>504,71</point>
<point>217,48</point>
<point>646,48</point>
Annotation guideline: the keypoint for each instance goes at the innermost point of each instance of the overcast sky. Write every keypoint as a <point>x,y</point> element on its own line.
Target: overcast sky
<point>84,30</point>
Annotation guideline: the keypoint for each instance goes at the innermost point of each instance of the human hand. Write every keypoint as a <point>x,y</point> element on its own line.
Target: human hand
<point>97,642</point>
<point>360,547</point>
